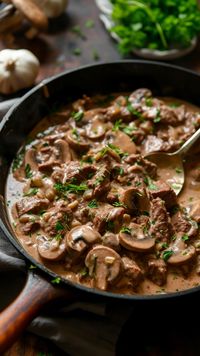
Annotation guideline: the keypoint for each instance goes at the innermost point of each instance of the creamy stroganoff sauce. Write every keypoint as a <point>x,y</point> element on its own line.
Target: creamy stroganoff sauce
<point>84,201</point>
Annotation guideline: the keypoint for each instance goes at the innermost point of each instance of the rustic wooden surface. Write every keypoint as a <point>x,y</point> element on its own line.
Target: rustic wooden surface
<point>58,51</point>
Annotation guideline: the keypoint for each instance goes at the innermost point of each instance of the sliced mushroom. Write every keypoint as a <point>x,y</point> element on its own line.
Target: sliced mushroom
<point>104,265</point>
<point>136,240</point>
<point>51,250</point>
<point>180,252</point>
<point>32,12</point>
<point>79,238</point>
<point>135,199</point>
<point>63,150</point>
<point>76,141</point>
<point>95,129</point>
<point>30,159</point>
<point>124,142</point>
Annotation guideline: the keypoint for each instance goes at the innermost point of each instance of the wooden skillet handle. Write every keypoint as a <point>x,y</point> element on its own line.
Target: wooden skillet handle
<point>15,318</point>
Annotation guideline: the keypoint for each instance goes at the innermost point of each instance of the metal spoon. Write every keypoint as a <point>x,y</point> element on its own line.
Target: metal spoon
<point>170,165</point>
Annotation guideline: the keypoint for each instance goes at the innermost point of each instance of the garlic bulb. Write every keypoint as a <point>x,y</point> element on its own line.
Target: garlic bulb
<point>18,70</point>
<point>52,8</point>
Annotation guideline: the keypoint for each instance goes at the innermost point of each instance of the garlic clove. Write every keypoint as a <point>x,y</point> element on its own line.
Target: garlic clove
<point>18,70</point>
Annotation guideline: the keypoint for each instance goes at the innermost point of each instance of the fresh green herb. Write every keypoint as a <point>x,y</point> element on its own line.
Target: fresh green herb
<point>117,150</point>
<point>157,119</point>
<point>132,110</point>
<point>126,230</point>
<point>178,170</point>
<point>129,130</point>
<point>77,116</point>
<point>28,172</point>
<point>148,181</point>
<point>75,133</point>
<point>89,23</point>
<point>149,102</point>
<point>95,55</point>
<point>185,237</point>
<point>175,185</point>
<point>44,354</point>
<point>32,267</point>
<point>56,280</point>
<point>77,51</point>
<point>138,183</point>
<point>87,159</point>
<point>84,272</point>
<point>155,24</point>
<point>165,245</point>
<point>59,226</point>
<point>17,162</point>
<point>77,30</point>
<point>117,203</point>
<point>93,204</point>
<point>70,188</point>
<point>31,192</point>
<point>167,254</point>
<point>146,213</point>
<point>117,125</point>
<point>58,237</point>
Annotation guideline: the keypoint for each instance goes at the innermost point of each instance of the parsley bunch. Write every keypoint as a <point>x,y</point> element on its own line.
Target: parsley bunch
<point>155,24</point>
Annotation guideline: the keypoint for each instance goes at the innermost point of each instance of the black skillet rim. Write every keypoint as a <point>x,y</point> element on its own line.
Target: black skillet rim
<point>45,271</point>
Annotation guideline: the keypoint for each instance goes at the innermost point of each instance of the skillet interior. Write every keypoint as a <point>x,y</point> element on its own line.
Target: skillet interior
<point>163,80</point>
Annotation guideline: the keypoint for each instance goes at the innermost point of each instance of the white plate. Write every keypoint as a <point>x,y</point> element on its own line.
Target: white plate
<point>106,17</point>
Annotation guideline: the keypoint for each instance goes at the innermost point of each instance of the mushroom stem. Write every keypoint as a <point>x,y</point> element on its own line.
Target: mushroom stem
<point>32,12</point>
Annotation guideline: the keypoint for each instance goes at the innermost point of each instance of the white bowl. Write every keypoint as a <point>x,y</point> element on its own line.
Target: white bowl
<point>106,11</point>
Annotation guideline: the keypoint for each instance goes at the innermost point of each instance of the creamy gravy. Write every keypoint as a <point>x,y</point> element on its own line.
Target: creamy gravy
<point>121,230</point>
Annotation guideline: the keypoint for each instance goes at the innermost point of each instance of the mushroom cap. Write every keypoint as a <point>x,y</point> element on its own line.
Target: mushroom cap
<point>63,150</point>
<point>30,158</point>
<point>124,142</point>
<point>95,129</point>
<point>105,264</point>
<point>133,199</point>
<point>181,252</point>
<point>136,241</point>
<point>32,12</point>
<point>80,237</point>
<point>77,143</point>
<point>51,250</point>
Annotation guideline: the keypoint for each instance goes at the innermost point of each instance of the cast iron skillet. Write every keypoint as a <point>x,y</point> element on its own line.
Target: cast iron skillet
<point>162,79</point>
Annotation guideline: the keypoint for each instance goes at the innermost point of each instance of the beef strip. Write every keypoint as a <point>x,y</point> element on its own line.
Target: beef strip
<point>160,224</point>
<point>31,204</point>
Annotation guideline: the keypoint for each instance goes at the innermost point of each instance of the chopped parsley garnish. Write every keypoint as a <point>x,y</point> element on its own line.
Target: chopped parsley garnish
<point>117,203</point>
<point>129,130</point>
<point>58,237</point>
<point>117,125</point>
<point>77,30</point>
<point>132,110</point>
<point>149,102</point>
<point>185,237</point>
<point>59,226</point>
<point>126,230</point>
<point>77,51</point>
<point>77,116</point>
<point>56,280</point>
<point>87,160</point>
<point>167,254</point>
<point>84,272</point>
<point>93,204</point>
<point>28,172</point>
<point>174,105</point>
<point>165,245</point>
<point>149,183</point>
<point>70,188</point>
<point>178,170</point>
<point>31,192</point>
<point>89,23</point>
<point>17,162</point>
<point>157,118</point>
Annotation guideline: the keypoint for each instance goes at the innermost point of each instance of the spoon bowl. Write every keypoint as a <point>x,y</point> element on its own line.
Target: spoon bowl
<point>170,165</point>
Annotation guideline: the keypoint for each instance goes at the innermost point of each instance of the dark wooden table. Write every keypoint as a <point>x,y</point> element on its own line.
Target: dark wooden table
<point>69,44</point>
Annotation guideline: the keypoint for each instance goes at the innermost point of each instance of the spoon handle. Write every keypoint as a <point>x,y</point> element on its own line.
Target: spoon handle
<point>188,144</point>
